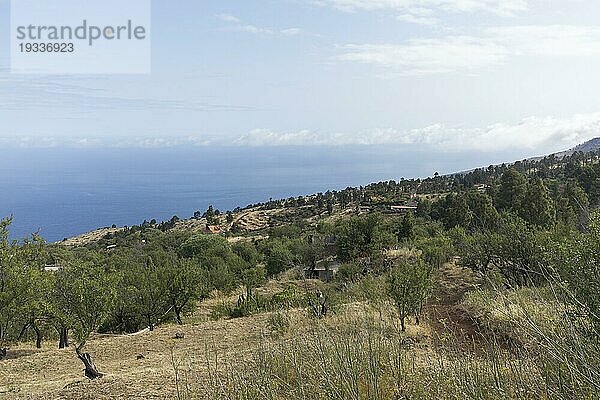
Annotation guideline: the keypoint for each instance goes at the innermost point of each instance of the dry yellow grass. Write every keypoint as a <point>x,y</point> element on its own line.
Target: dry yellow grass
<point>89,237</point>
<point>58,374</point>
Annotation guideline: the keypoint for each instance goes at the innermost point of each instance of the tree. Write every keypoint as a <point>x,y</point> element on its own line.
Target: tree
<point>511,192</point>
<point>186,282</point>
<point>409,284</point>
<point>252,277</point>
<point>536,205</point>
<point>248,263</point>
<point>36,302</point>
<point>35,287</point>
<point>517,249</point>
<point>423,208</point>
<point>205,247</point>
<point>579,203</point>
<point>61,318</point>
<point>481,250</point>
<point>211,215</point>
<point>436,250</point>
<point>215,255</point>
<point>147,282</point>
<point>248,252</point>
<point>362,237</point>
<point>8,282</point>
<point>375,290</point>
<point>350,273</point>
<point>86,292</point>
<point>23,300</point>
<point>405,228</point>
<point>279,257</point>
<point>578,259</point>
<point>484,214</point>
<point>330,207</point>
<point>229,217</point>
<point>314,248</point>
<point>454,211</point>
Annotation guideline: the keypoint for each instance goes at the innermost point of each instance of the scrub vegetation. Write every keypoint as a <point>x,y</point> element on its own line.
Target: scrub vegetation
<point>480,285</point>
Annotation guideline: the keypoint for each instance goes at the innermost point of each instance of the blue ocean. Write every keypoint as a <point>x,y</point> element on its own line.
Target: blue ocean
<point>66,192</point>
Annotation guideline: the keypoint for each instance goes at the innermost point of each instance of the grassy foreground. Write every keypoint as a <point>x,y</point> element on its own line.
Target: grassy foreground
<point>465,348</point>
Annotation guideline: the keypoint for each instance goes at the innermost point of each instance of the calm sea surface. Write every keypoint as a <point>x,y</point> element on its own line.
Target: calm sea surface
<point>65,192</point>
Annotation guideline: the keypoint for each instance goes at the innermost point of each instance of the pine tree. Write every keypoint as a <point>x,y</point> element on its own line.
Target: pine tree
<point>537,206</point>
<point>513,187</point>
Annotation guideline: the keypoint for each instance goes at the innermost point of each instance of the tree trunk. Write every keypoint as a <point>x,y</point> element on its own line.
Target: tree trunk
<point>3,353</point>
<point>150,324</point>
<point>178,315</point>
<point>23,332</point>
<point>38,336</point>
<point>91,371</point>
<point>402,324</point>
<point>418,314</point>
<point>63,338</point>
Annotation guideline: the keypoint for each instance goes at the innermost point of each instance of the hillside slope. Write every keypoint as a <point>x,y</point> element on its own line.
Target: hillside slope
<point>590,145</point>
<point>154,365</point>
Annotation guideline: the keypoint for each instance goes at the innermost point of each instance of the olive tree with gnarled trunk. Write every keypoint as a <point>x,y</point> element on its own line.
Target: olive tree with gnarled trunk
<point>86,292</point>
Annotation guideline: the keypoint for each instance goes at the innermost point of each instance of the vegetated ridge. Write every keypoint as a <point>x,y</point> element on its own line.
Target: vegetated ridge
<point>479,285</point>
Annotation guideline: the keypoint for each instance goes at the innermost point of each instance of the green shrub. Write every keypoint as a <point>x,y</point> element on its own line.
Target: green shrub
<point>279,323</point>
<point>349,272</point>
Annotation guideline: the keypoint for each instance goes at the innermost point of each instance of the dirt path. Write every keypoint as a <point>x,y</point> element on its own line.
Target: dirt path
<point>444,314</point>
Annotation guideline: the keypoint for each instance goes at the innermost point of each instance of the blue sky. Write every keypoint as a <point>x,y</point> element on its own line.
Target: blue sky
<point>487,75</point>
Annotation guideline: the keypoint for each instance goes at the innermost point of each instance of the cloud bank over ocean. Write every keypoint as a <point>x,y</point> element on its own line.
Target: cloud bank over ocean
<point>533,133</point>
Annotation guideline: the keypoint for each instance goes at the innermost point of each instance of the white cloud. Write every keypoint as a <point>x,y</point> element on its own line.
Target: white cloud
<point>543,134</point>
<point>291,31</point>
<point>547,40</point>
<point>419,15</point>
<point>235,24</point>
<point>498,7</point>
<point>428,56</point>
<point>228,18</point>
<point>252,29</point>
<point>266,137</point>
<point>492,47</point>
